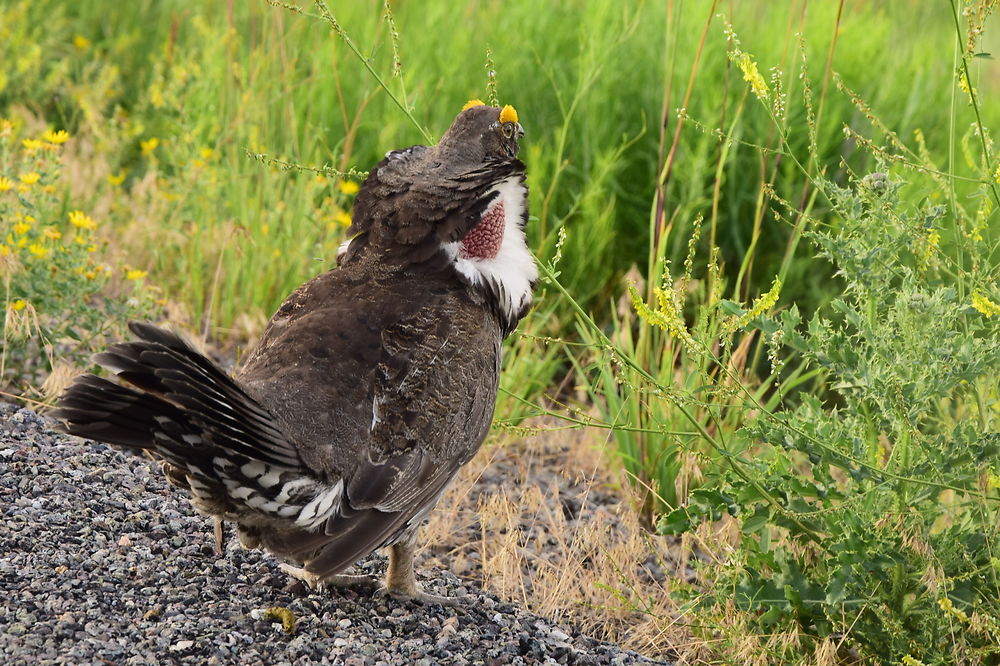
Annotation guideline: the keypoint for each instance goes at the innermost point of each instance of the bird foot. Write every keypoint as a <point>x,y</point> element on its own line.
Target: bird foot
<point>419,596</point>
<point>321,584</point>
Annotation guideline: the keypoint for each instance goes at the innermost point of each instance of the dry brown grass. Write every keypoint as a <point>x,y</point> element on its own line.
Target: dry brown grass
<point>547,521</point>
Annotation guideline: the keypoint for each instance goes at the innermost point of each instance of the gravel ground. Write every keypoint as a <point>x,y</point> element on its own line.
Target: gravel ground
<point>102,561</point>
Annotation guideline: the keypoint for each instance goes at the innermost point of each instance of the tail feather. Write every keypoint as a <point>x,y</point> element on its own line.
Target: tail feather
<point>166,366</point>
<point>181,406</point>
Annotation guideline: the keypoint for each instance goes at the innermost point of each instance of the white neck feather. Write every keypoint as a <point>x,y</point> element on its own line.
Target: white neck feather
<point>512,271</point>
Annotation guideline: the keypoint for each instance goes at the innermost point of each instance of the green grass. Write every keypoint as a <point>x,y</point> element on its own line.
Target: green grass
<point>613,165</point>
<point>590,84</point>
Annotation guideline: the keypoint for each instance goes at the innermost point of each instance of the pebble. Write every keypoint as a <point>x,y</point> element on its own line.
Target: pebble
<point>102,561</point>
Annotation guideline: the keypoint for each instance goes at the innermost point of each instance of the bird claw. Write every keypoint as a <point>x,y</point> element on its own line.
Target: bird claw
<point>320,584</point>
<point>419,596</point>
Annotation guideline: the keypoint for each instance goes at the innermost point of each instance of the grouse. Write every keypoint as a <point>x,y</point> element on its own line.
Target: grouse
<point>371,385</point>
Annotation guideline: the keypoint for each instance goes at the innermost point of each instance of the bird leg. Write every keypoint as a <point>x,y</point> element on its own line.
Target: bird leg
<point>401,581</point>
<point>321,583</point>
<point>220,535</point>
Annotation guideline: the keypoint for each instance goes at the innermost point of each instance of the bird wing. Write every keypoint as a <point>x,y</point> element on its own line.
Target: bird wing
<point>432,399</point>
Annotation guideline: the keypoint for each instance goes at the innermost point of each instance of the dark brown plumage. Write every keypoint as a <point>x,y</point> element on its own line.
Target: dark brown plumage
<point>372,384</point>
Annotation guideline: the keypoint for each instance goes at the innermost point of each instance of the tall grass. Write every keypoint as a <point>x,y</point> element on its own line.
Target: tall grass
<point>593,84</point>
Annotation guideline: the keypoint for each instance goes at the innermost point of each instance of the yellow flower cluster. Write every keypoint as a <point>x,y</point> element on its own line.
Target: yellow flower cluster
<point>56,137</point>
<point>667,316</point>
<point>948,607</point>
<point>984,305</point>
<point>963,83</point>
<point>761,304</point>
<point>931,242</point>
<point>81,220</point>
<point>149,145</point>
<point>348,187</point>
<point>752,76</point>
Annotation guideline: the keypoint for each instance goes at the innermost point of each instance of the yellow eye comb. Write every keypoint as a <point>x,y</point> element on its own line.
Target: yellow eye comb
<point>508,114</point>
<point>473,102</point>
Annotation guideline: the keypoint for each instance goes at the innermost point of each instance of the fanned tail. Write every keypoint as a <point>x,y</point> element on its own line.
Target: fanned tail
<point>184,409</point>
<point>182,406</point>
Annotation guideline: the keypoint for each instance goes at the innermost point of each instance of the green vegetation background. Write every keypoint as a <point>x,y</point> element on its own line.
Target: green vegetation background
<point>852,451</point>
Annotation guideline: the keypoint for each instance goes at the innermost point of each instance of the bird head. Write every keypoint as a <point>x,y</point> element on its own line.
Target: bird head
<point>460,205</point>
<point>482,133</point>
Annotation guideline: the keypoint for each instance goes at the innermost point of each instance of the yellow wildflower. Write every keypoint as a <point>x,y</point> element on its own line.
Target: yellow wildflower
<point>911,661</point>
<point>52,234</point>
<point>31,145</point>
<point>343,217</point>
<point>48,189</point>
<point>984,305</point>
<point>57,137</point>
<point>81,220</point>
<point>21,228</point>
<point>949,608</point>
<point>963,83</point>
<point>5,250</point>
<point>930,243</point>
<point>348,187</point>
<point>30,219</point>
<point>265,228</point>
<point>752,76</point>
<point>156,96</point>
<point>5,184</point>
<point>667,316</point>
<point>135,274</point>
<point>19,305</point>
<point>29,178</point>
<point>207,153</point>
<point>38,250</point>
<point>90,275</point>
<point>149,145</point>
<point>81,42</point>
<point>116,178</point>
<point>761,304</point>
<point>92,248</point>
<point>6,127</point>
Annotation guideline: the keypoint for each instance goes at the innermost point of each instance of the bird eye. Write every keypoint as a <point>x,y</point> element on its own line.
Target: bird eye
<point>507,129</point>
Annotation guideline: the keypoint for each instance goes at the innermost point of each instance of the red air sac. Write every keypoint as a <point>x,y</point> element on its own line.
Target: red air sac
<point>484,241</point>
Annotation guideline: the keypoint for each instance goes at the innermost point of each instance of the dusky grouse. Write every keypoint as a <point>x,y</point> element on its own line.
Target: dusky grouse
<point>372,384</point>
